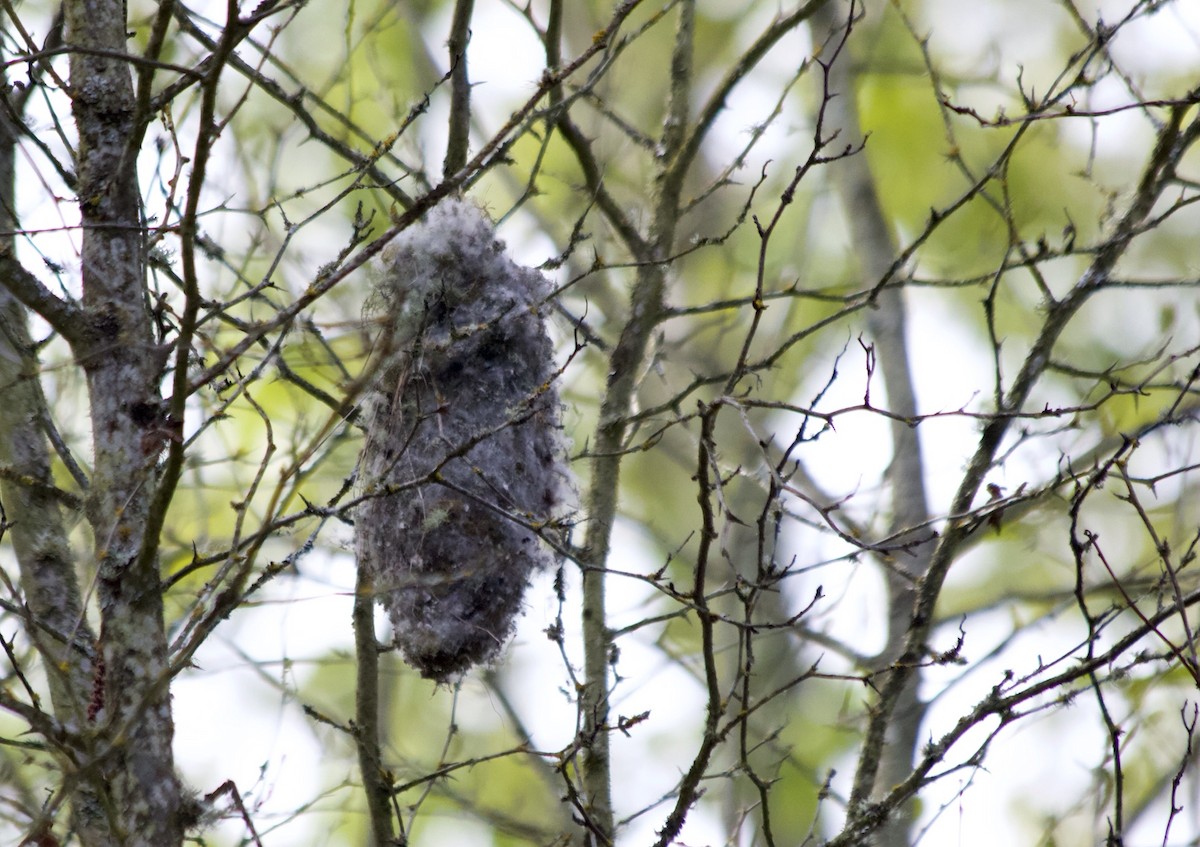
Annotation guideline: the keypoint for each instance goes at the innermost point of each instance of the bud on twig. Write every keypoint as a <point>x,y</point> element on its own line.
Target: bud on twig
<point>463,456</point>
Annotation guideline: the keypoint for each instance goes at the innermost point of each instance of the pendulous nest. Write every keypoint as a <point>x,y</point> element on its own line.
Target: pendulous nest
<point>463,459</point>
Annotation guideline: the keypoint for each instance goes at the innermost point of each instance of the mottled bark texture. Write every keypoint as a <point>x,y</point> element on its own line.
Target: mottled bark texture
<point>463,457</point>
<point>33,509</point>
<point>122,363</point>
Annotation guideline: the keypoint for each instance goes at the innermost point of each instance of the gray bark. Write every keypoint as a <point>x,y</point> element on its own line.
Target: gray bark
<point>33,508</point>
<point>117,352</point>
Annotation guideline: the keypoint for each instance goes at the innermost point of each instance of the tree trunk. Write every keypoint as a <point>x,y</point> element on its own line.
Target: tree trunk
<point>33,508</point>
<point>122,362</point>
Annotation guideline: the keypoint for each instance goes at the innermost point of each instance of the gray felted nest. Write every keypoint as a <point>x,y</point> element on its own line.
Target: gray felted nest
<point>463,454</point>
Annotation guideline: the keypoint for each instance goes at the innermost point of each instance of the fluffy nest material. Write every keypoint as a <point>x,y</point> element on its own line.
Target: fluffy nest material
<point>462,467</point>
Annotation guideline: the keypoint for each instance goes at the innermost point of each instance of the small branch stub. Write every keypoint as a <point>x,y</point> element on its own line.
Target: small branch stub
<point>463,454</point>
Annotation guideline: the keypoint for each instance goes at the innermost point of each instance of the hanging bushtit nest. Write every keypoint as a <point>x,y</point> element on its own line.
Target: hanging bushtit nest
<point>463,460</point>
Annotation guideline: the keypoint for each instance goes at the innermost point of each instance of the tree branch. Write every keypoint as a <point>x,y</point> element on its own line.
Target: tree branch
<point>646,311</point>
<point>366,710</point>
<point>887,323</point>
<point>1171,145</point>
<point>64,316</point>
<point>458,137</point>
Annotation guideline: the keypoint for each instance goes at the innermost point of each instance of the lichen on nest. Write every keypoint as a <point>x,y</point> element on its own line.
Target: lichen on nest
<point>463,458</point>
